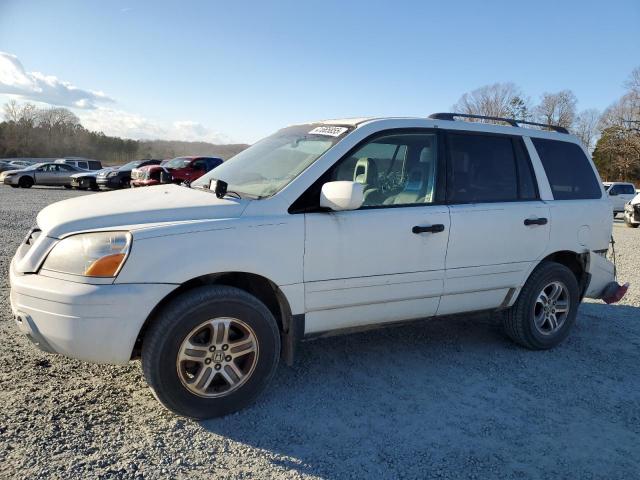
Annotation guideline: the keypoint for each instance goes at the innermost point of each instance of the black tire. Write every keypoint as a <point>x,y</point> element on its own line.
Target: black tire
<point>67,187</point>
<point>25,182</point>
<point>519,319</point>
<point>629,224</point>
<point>173,324</point>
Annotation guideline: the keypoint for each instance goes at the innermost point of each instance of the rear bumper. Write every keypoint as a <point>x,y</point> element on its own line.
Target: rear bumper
<point>94,323</point>
<point>601,275</point>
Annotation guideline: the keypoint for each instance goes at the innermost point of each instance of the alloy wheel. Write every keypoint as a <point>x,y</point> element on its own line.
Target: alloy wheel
<point>551,308</point>
<point>217,357</point>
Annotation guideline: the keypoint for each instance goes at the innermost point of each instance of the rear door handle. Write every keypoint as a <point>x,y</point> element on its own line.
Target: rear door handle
<point>438,227</point>
<point>535,221</point>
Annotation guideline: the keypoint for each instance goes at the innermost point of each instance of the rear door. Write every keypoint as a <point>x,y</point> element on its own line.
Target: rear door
<point>499,226</point>
<point>64,173</point>
<point>385,261</point>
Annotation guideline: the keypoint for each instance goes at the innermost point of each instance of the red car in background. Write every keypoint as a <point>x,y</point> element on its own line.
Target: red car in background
<point>181,169</point>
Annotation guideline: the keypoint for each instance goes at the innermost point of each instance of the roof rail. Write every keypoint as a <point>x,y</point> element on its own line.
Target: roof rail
<point>511,121</point>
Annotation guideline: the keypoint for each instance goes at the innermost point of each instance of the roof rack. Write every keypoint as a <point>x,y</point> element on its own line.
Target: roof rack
<point>511,121</point>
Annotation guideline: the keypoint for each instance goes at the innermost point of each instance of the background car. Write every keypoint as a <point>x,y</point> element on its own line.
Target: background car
<point>83,163</point>
<point>87,180</point>
<point>619,194</point>
<point>182,169</point>
<point>632,212</point>
<point>49,174</point>
<point>121,178</point>
<point>7,165</point>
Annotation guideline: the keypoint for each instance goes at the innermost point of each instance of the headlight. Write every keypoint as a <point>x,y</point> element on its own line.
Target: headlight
<point>99,254</point>
<point>112,174</point>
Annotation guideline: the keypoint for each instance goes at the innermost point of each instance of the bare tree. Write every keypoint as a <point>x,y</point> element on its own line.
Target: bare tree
<point>586,127</point>
<point>496,100</point>
<point>557,108</point>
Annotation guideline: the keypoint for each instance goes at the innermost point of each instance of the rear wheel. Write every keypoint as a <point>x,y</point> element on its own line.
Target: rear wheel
<point>68,187</point>
<point>25,182</point>
<point>546,308</point>
<point>211,351</point>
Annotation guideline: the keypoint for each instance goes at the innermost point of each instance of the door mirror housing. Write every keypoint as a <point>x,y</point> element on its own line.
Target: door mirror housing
<point>342,195</point>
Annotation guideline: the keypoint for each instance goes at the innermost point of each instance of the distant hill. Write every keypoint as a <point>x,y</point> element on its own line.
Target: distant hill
<point>175,148</point>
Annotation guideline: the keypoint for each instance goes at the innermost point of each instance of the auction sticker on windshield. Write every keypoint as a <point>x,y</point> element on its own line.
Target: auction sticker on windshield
<point>330,131</point>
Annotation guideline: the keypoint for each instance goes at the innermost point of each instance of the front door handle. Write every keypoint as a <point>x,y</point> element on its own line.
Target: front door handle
<point>535,221</point>
<point>438,227</point>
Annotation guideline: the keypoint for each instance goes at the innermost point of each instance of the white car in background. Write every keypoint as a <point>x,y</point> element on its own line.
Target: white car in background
<point>320,228</point>
<point>619,193</point>
<point>632,212</point>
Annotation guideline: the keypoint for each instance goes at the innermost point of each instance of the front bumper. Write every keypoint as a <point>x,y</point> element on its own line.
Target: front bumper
<point>110,182</point>
<point>144,183</point>
<point>94,323</point>
<point>11,180</point>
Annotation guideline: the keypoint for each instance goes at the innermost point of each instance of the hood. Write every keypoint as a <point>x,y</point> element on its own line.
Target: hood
<point>137,206</point>
<point>11,172</point>
<point>85,174</point>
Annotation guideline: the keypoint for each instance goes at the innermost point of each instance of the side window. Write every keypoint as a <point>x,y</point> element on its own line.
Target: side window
<point>64,168</point>
<point>568,169</point>
<point>629,189</point>
<point>95,165</point>
<point>397,169</point>
<point>213,163</point>
<point>82,165</point>
<point>199,165</point>
<point>481,168</point>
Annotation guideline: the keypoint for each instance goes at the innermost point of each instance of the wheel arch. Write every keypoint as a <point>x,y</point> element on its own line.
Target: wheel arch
<point>577,262</point>
<point>260,287</point>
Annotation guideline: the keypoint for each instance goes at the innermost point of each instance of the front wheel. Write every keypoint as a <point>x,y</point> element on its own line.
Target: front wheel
<point>629,223</point>
<point>211,351</point>
<point>25,182</point>
<point>546,308</point>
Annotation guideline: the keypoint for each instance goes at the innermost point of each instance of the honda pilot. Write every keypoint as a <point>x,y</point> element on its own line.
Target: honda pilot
<point>320,228</point>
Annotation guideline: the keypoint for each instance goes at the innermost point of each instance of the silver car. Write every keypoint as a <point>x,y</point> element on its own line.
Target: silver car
<point>50,174</point>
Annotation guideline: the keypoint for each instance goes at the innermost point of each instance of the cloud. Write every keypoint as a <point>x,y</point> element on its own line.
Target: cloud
<point>14,80</point>
<point>90,106</point>
<point>131,125</point>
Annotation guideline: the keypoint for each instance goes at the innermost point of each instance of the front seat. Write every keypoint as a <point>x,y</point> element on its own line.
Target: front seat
<point>366,173</point>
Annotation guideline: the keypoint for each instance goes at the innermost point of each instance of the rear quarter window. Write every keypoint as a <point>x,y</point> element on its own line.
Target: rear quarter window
<point>568,169</point>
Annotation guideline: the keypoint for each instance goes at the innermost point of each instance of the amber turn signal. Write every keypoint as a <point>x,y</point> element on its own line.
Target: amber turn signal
<point>106,266</point>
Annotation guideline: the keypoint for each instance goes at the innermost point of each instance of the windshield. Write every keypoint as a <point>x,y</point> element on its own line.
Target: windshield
<point>269,165</point>
<point>34,166</point>
<point>177,163</point>
<point>130,165</point>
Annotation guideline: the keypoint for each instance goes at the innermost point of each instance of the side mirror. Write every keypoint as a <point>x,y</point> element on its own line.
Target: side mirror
<point>613,194</point>
<point>165,177</point>
<point>342,195</point>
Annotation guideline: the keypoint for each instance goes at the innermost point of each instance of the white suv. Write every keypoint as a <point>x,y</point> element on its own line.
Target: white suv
<point>323,227</point>
<point>620,194</point>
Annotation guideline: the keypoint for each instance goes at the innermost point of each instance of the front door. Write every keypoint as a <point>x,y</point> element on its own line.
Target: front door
<point>384,262</point>
<point>498,224</point>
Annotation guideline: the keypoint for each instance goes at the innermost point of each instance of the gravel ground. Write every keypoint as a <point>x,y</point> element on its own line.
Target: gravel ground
<point>443,399</point>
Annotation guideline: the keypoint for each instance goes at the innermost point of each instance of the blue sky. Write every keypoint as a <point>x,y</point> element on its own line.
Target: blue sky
<point>240,70</point>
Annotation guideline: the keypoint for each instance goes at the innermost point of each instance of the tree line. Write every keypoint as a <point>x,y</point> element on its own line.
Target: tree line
<point>613,136</point>
<point>30,131</point>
